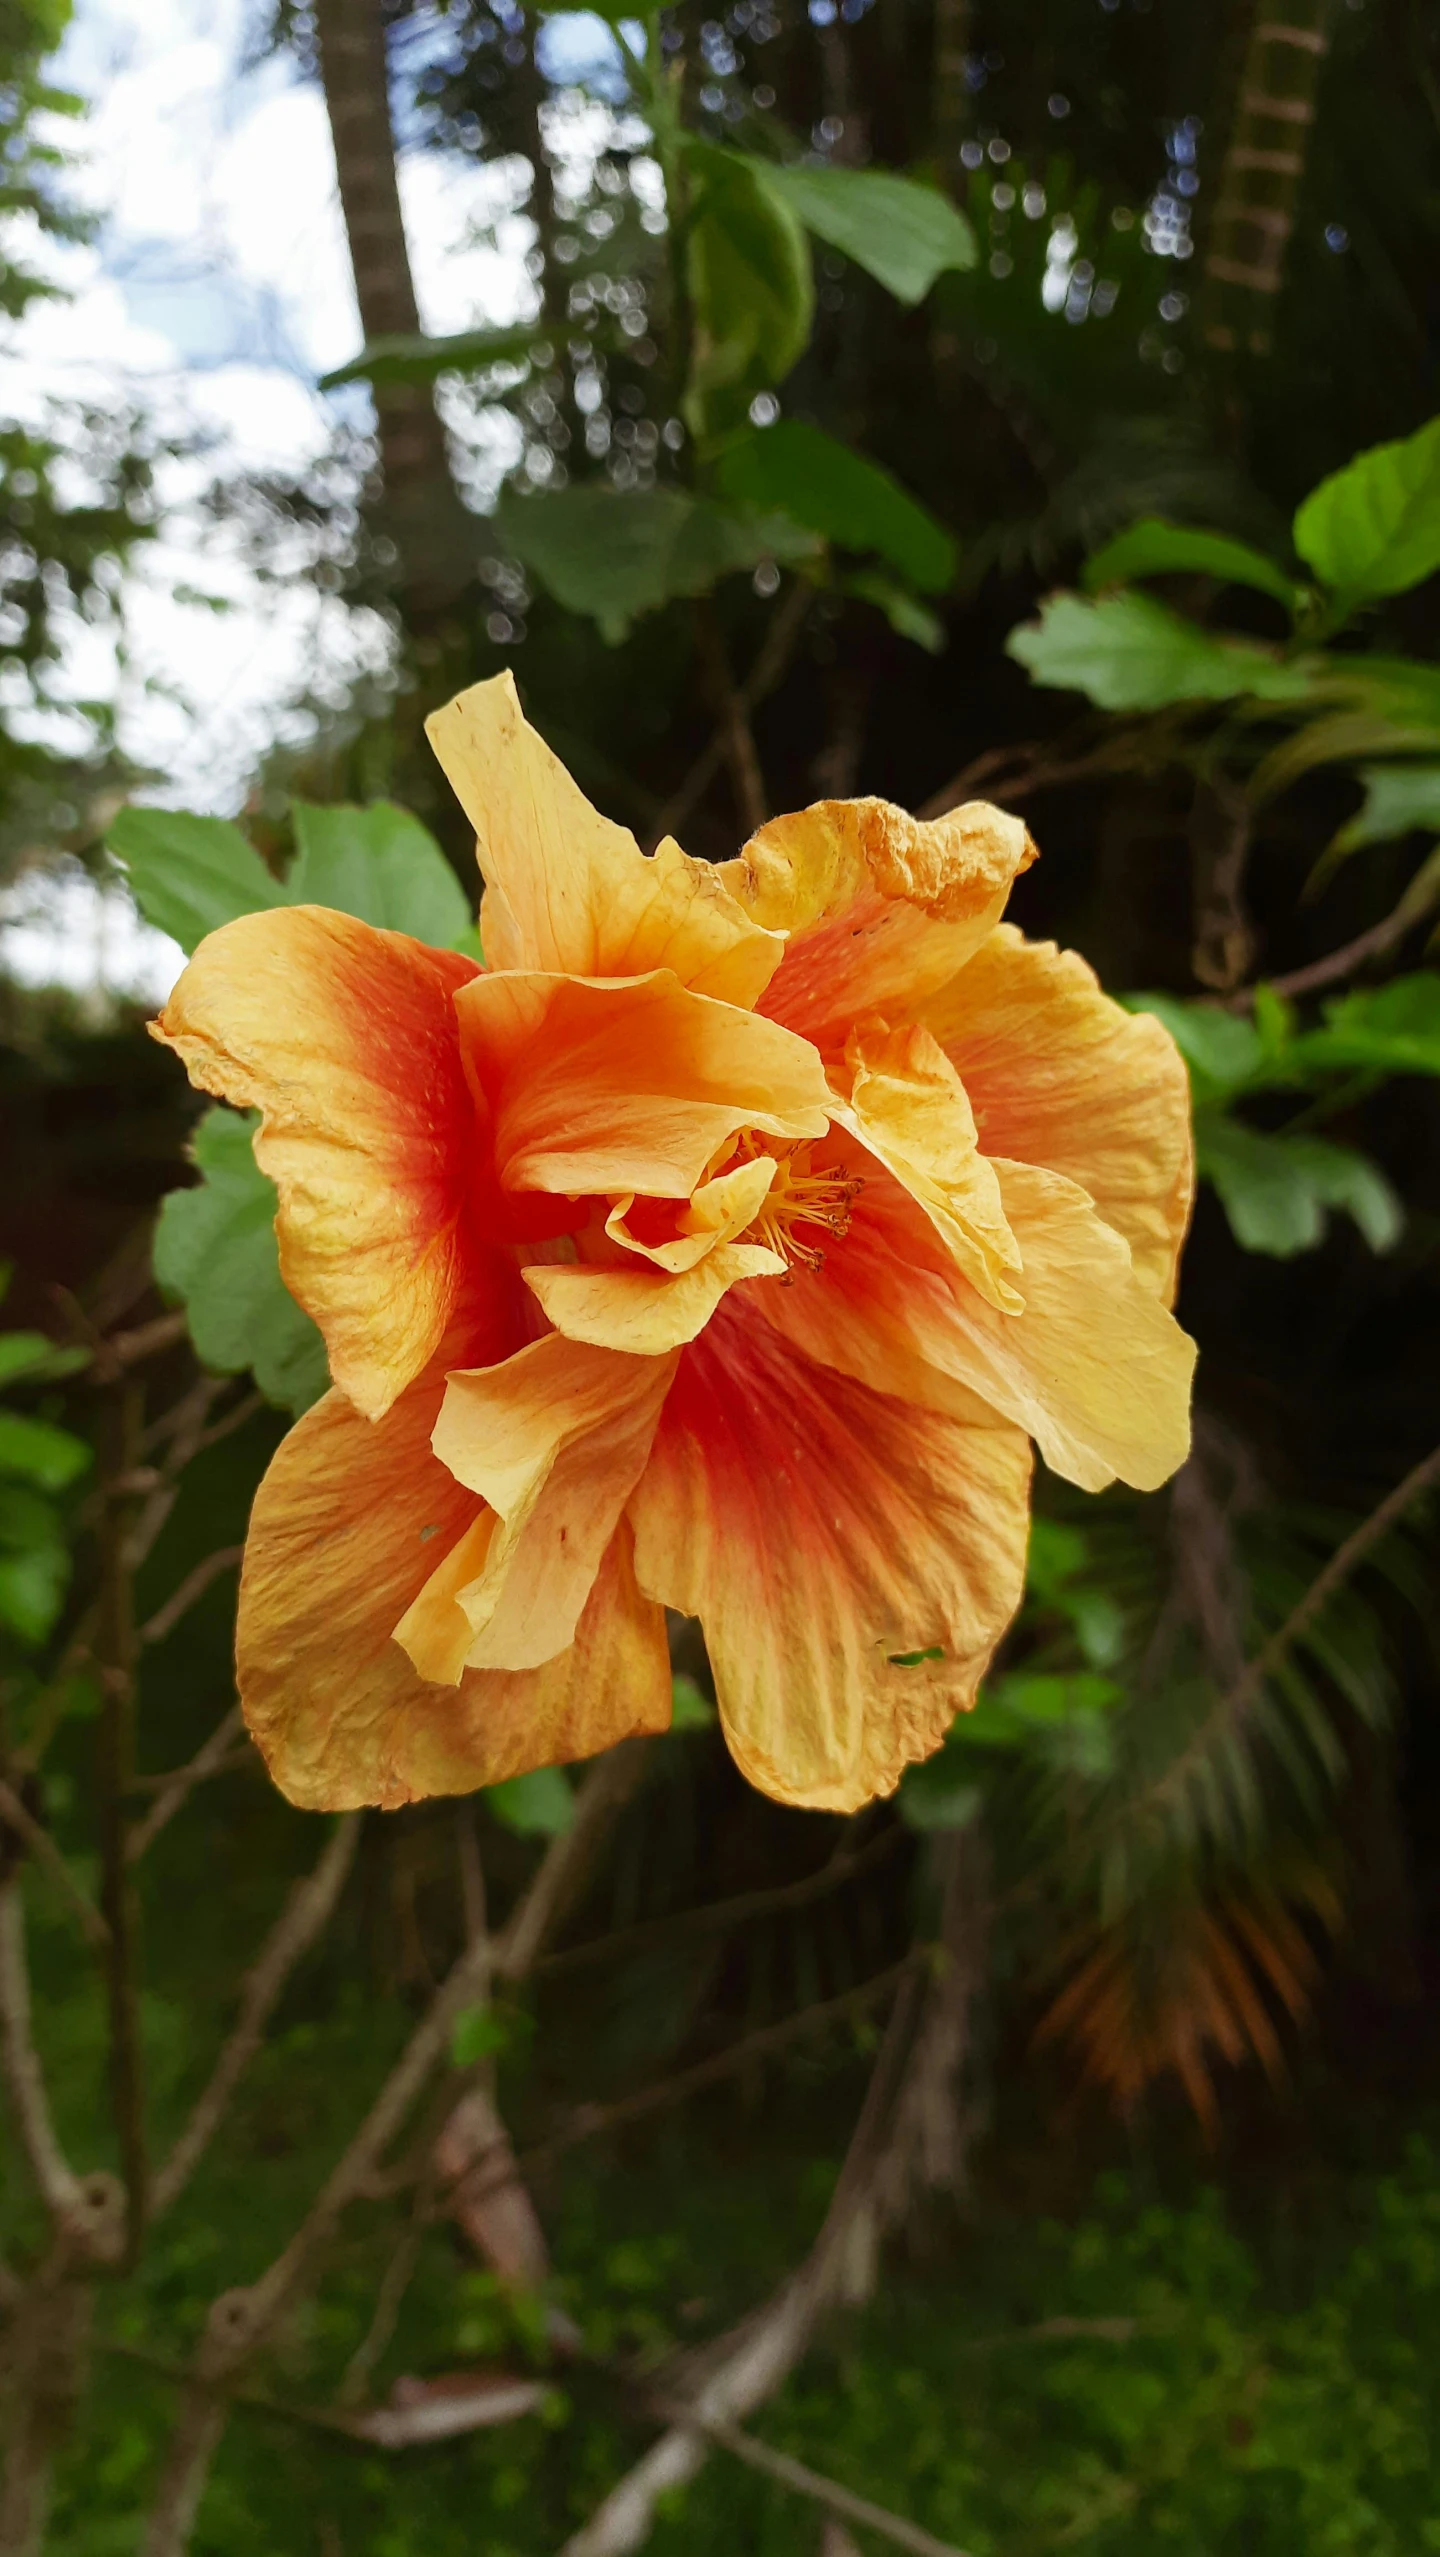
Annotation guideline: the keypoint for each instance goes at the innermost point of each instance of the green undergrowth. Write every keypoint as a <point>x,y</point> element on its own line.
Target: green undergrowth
<point>1141,2377</point>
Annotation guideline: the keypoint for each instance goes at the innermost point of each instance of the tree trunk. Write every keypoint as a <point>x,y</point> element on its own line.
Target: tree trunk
<point>1263,171</point>
<point>419,511</point>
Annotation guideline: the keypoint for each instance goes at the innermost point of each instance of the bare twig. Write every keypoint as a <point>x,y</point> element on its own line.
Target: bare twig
<point>734,719</point>
<point>193,1586</point>
<point>720,1916</point>
<point>1419,899</point>
<point>58,2184</point>
<point>389,2299</point>
<point>748,2365</point>
<point>115,1650</point>
<point>42,1846</point>
<point>306,1913</point>
<point>775,654</point>
<point>801,2480</point>
<point>593,2119</point>
<point>123,1350</point>
<point>568,1861</point>
<point>42,2401</point>
<point>207,1761</point>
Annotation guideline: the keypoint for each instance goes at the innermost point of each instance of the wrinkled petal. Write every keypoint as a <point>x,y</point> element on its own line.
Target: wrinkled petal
<point>595,1088</point>
<point>909,1106</point>
<point>647,1312</point>
<point>880,908</point>
<point>1059,1075</point>
<point>553,1440</point>
<point>1094,1368</point>
<point>718,1211</point>
<point>824,1534</point>
<point>343,1535</point>
<point>565,888</point>
<point>345,1039</point>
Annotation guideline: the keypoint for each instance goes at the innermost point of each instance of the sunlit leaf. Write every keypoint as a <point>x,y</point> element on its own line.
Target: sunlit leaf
<point>1373,528</point>
<point>616,554</point>
<point>381,864</point>
<point>188,875</point>
<point>215,1249</point>
<point>807,475</point>
<point>33,1582</point>
<point>1277,1190</point>
<point>1400,799</point>
<point>902,233</point>
<point>689,1710</point>
<point>32,1358</point>
<point>1127,652</point>
<point>752,292</point>
<point>907,616</point>
<point>1153,548</point>
<point>539,1805</point>
<point>423,359</point>
<point>1393,1029</point>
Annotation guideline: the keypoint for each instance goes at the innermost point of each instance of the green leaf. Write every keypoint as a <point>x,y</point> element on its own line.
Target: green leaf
<point>423,359</point>
<point>614,555</point>
<point>1391,1029</point>
<point>36,1452</point>
<point>907,616</point>
<point>479,2033</point>
<point>540,1805</point>
<point>752,292</point>
<point>190,874</point>
<point>1400,799</point>
<point>938,1795</point>
<point>1127,652</point>
<point>381,864</point>
<point>902,233</point>
<point>36,1359</point>
<point>32,1590</point>
<point>807,475</point>
<point>1276,1190</point>
<point>1374,528</point>
<point>1223,1052</point>
<point>215,1249</point>
<point>689,1710</point>
<point>1153,548</point>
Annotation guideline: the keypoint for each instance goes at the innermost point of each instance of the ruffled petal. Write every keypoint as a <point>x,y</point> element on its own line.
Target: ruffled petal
<point>343,1535</point>
<point>1095,1368</point>
<point>679,1233</point>
<point>566,888</point>
<point>853,1560</point>
<point>1059,1075</point>
<point>647,1312</point>
<point>909,1106</point>
<point>880,909</point>
<point>345,1039</point>
<point>604,1088</point>
<point>553,1440</point>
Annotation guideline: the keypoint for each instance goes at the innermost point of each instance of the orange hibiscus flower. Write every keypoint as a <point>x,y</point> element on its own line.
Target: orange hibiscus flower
<point>720,1246</point>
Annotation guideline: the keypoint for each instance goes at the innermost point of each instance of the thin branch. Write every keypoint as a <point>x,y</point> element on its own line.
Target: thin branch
<point>115,1652</point>
<point>389,2299</point>
<point>746,2367</point>
<point>207,1761</point>
<point>776,651</point>
<point>1238,1699</point>
<point>801,2480</point>
<point>723,1915</point>
<point>43,1848</point>
<point>1420,897</point>
<point>58,2184</point>
<point>568,1861</point>
<point>304,1917</point>
<point>193,1586</point>
<point>124,1350</point>
<point>593,2119</point>
<point>734,719</point>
